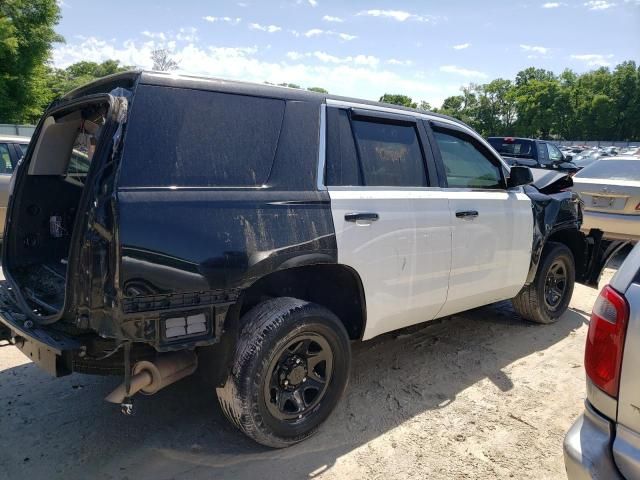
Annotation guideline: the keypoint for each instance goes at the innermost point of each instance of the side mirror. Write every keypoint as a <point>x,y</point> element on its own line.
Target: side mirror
<point>568,158</point>
<point>519,175</point>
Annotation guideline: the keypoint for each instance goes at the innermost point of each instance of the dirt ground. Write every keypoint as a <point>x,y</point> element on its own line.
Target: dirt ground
<point>477,395</point>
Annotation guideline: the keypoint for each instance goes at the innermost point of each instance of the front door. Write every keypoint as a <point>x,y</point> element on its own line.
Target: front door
<point>492,227</point>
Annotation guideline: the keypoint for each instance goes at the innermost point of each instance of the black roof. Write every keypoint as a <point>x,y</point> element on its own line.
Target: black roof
<point>130,78</point>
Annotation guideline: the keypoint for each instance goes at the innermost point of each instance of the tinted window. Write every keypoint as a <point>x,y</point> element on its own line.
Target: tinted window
<point>612,170</point>
<point>342,159</point>
<point>554,154</point>
<point>196,138</point>
<point>5,159</point>
<point>465,165</point>
<point>513,147</point>
<point>23,148</point>
<point>390,154</point>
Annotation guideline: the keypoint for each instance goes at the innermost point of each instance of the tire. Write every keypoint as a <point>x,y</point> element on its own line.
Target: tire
<point>534,302</point>
<point>259,396</point>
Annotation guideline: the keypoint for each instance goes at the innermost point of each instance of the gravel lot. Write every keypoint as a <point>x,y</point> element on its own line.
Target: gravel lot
<point>477,395</point>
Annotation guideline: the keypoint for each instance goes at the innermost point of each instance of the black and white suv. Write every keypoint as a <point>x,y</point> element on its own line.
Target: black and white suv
<point>161,223</point>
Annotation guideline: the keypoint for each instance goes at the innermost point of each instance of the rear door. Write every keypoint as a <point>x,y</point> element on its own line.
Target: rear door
<point>492,227</point>
<point>392,227</point>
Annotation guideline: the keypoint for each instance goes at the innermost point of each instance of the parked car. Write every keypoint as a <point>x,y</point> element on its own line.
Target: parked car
<point>532,153</point>
<point>610,190</point>
<point>12,148</point>
<point>583,159</point>
<point>255,231</point>
<point>604,442</point>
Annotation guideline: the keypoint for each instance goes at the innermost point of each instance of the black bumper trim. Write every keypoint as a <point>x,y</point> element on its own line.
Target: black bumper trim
<point>49,349</point>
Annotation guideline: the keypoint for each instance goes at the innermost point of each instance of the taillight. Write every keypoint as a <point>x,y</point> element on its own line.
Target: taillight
<point>605,340</point>
<point>638,206</point>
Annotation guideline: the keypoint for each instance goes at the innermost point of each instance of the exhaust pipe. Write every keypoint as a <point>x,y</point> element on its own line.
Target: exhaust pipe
<point>149,377</point>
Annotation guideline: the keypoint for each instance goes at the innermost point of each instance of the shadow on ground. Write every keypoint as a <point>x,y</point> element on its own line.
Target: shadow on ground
<point>62,428</point>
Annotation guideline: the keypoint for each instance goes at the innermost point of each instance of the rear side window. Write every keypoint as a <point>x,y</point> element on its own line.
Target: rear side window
<point>513,147</point>
<point>465,165</point>
<point>182,137</point>
<point>390,154</point>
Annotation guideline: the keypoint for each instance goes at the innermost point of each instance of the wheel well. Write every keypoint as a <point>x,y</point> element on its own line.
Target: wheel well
<point>336,287</point>
<point>577,243</point>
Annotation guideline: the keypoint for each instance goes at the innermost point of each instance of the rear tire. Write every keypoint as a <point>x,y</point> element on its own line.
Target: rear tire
<point>548,296</point>
<point>290,368</point>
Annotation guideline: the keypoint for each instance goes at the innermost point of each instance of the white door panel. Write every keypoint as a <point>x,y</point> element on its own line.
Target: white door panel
<point>403,258</point>
<point>491,252</point>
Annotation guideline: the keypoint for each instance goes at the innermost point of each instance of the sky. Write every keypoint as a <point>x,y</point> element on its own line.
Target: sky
<point>363,48</point>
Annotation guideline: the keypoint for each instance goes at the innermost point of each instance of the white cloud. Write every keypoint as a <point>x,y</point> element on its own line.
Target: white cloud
<point>462,46</point>
<point>362,76</point>
<point>368,60</point>
<point>187,34</point>
<point>313,3</point>
<point>403,63</point>
<point>316,32</point>
<point>533,48</point>
<point>242,4</point>
<point>599,4</point>
<point>553,5</point>
<point>594,59</point>
<point>230,20</point>
<point>398,15</point>
<point>264,28</point>
<point>346,36</point>
<point>329,18</point>
<point>154,35</point>
<point>463,71</point>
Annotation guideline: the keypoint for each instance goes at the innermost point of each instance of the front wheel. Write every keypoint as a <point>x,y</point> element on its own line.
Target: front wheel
<point>291,366</point>
<point>548,296</point>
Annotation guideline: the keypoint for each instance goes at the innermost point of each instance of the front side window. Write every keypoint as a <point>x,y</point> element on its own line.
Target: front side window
<point>465,165</point>
<point>390,154</point>
<point>5,159</point>
<point>554,154</point>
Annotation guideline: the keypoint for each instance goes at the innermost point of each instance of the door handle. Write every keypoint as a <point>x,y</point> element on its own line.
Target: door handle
<point>470,214</point>
<point>361,218</point>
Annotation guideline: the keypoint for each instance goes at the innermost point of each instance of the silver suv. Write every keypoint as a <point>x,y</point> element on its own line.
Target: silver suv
<point>605,441</point>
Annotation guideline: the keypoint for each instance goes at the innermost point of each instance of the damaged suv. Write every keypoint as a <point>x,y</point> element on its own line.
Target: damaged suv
<point>160,224</point>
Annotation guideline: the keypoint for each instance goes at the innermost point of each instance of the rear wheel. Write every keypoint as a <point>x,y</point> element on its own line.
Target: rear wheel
<point>291,366</point>
<point>548,296</point>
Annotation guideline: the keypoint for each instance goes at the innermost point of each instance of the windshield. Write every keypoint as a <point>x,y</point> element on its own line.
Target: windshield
<point>513,147</point>
<point>612,170</point>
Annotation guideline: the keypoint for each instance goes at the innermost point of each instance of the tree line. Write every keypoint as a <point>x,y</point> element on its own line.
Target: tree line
<point>603,104</point>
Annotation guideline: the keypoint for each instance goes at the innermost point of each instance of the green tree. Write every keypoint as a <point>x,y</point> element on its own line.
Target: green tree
<point>61,81</point>
<point>26,38</point>
<point>162,60</point>
<point>426,106</point>
<point>317,89</point>
<point>397,99</point>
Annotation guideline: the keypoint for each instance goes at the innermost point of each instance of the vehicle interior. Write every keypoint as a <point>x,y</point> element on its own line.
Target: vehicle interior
<point>46,207</point>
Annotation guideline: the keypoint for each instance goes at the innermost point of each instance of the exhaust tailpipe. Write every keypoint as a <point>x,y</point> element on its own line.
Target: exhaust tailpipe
<point>149,377</point>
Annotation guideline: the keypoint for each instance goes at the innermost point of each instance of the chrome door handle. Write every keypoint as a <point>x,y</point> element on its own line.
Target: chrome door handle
<point>467,214</point>
<point>364,218</point>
